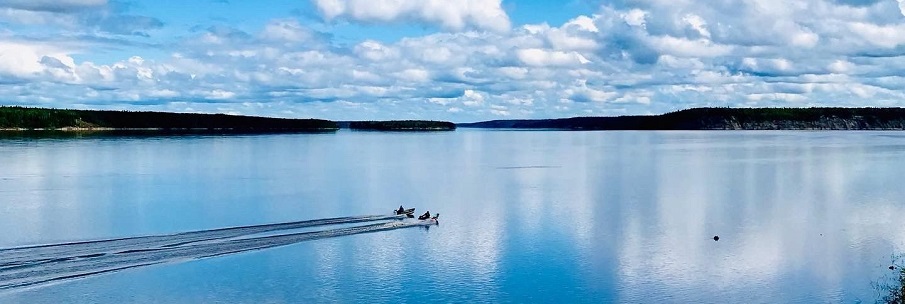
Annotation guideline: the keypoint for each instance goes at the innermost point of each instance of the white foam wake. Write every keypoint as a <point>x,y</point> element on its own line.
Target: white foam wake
<point>36,265</point>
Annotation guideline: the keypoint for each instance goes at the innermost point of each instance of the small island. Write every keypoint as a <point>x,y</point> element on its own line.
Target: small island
<point>14,118</point>
<point>723,119</point>
<point>401,125</point>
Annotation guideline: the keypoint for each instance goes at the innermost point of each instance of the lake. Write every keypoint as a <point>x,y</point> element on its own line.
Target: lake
<point>526,216</point>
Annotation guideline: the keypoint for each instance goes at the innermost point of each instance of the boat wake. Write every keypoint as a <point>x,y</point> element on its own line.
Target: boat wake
<point>37,265</point>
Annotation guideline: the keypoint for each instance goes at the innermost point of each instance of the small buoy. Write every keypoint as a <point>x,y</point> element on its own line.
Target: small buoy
<point>716,237</point>
<point>892,267</point>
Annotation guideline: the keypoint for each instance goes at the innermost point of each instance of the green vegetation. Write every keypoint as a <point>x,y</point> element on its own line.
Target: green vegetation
<point>726,119</point>
<point>789,118</point>
<point>31,118</point>
<point>897,292</point>
<point>403,125</point>
<point>40,118</point>
<point>892,287</point>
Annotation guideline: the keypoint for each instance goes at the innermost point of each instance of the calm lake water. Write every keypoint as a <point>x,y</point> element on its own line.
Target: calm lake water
<point>565,217</point>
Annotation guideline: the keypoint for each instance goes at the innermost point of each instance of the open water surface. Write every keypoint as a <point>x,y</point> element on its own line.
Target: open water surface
<point>526,216</point>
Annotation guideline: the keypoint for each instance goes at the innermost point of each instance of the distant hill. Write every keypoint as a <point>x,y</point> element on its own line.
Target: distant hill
<point>400,125</point>
<point>57,119</point>
<point>723,119</point>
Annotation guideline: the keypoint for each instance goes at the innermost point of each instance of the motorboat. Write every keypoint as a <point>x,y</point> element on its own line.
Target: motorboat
<point>430,220</point>
<point>407,212</point>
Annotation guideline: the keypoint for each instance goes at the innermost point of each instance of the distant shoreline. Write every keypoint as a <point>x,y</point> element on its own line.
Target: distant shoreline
<point>22,119</point>
<point>103,129</point>
<point>814,119</point>
<point>400,126</point>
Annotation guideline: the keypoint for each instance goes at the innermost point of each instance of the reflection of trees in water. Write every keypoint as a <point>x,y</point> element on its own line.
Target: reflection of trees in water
<point>891,288</point>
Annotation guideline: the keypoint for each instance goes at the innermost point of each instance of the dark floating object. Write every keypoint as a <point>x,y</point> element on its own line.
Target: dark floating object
<point>716,237</point>
<point>892,267</point>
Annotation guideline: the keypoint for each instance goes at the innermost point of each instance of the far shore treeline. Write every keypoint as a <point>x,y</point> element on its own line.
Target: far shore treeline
<point>25,118</point>
<point>56,119</point>
<point>402,125</point>
<point>723,119</point>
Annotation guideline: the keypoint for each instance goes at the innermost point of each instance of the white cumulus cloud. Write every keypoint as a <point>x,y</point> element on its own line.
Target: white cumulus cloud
<point>452,15</point>
<point>51,5</point>
<point>541,57</point>
<point>629,57</point>
<point>286,30</point>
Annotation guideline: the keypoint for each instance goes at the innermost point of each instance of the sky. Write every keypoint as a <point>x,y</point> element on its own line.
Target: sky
<point>457,60</point>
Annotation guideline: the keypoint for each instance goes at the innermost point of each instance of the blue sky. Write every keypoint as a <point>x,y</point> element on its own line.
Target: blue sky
<point>459,60</point>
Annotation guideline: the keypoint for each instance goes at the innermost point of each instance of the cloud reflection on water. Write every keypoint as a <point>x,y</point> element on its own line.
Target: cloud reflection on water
<point>574,217</point>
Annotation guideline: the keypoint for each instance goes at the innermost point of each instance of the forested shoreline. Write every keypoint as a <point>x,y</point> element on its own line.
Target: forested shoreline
<point>723,119</point>
<point>402,125</point>
<point>23,118</point>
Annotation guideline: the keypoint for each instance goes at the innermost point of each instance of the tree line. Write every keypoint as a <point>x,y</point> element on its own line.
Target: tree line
<point>403,125</point>
<point>724,118</point>
<point>35,118</point>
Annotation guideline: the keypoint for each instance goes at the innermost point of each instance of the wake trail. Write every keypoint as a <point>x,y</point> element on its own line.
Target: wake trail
<point>14,258</point>
<point>84,267</point>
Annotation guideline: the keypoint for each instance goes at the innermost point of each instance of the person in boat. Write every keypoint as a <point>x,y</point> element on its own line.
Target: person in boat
<point>400,211</point>
<point>425,216</point>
